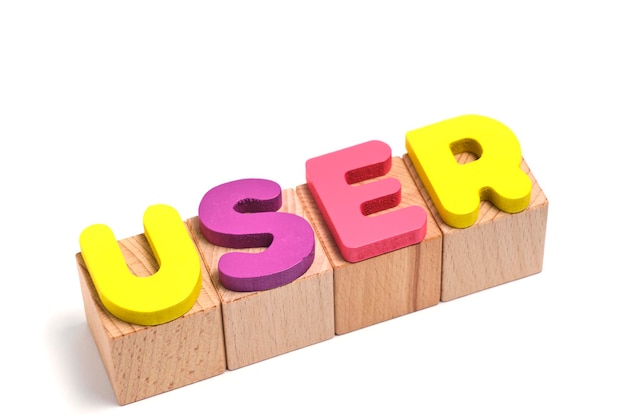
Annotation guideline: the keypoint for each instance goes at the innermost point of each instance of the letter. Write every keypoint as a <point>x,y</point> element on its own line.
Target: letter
<point>457,189</point>
<point>167,294</point>
<point>242,214</point>
<point>348,207</point>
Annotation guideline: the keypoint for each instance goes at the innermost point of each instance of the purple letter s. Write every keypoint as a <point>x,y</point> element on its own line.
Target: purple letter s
<point>242,214</point>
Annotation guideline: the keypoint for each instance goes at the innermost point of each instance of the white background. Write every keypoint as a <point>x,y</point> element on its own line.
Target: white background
<point>109,107</point>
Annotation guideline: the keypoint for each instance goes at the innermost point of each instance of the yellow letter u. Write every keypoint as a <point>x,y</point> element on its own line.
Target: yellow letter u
<point>167,294</point>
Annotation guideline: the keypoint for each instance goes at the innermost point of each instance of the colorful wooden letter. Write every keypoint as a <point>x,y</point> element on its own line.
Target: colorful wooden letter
<point>346,207</point>
<point>168,293</point>
<point>457,189</point>
<point>241,214</point>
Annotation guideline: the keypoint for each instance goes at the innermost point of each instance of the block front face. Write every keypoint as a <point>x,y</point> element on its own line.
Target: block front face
<point>143,361</point>
<point>499,248</point>
<point>263,324</point>
<point>388,285</point>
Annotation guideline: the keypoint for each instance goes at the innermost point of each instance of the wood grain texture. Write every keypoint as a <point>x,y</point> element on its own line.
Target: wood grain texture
<point>389,285</point>
<point>263,324</point>
<point>142,361</point>
<point>500,247</point>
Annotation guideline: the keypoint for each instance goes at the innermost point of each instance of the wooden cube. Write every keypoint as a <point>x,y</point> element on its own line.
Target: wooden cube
<point>500,247</point>
<point>263,324</point>
<point>142,361</point>
<point>388,285</point>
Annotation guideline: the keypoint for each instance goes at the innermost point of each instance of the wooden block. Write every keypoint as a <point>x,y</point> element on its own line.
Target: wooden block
<point>263,324</point>
<point>142,361</point>
<point>388,285</point>
<point>500,247</point>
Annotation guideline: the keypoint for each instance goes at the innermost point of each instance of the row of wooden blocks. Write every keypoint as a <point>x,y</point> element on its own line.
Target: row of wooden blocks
<point>228,330</point>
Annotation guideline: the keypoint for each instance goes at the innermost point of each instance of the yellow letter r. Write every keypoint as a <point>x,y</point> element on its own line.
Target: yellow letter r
<point>457,189</point>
